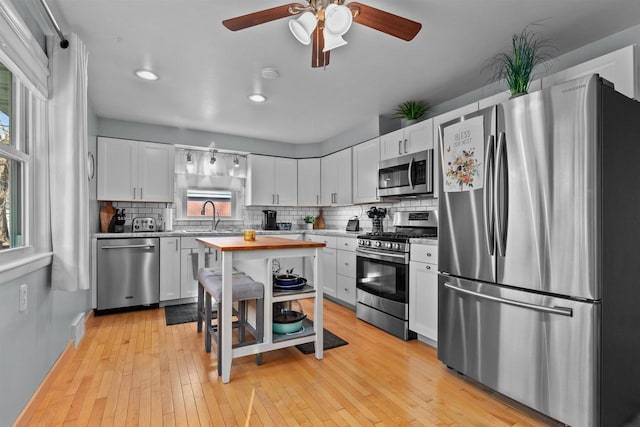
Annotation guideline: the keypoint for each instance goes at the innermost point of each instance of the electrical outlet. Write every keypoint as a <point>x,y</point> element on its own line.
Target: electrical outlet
<point>23,298</point>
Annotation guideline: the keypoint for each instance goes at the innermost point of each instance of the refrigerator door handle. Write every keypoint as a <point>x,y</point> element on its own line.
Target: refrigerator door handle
<point>487,202</point>
<point>562,311</point>
<point>501,196</point>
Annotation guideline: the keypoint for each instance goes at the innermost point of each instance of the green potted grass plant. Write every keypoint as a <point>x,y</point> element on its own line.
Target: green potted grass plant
<point>516,65</point>
<point>411,111</point>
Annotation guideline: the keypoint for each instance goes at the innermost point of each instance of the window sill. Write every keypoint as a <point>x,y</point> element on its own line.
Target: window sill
<point>24,266</point>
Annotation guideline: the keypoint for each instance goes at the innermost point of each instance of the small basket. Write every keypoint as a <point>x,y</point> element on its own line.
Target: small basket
<point>283,225</point>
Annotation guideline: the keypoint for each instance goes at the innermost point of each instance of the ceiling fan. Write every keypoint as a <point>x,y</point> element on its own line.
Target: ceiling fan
<point>322,23</point>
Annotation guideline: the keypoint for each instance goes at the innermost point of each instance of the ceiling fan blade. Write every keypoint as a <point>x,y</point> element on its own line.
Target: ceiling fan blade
<point>386,22</point>
<point>318,57</point>
<point>261,17</point>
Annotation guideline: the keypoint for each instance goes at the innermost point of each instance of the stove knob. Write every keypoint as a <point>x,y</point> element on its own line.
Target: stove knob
<point>387,245</point>
<point>368,242</point>
<point>361,242</point>
<point>377,244</point>
<point>396,246</point>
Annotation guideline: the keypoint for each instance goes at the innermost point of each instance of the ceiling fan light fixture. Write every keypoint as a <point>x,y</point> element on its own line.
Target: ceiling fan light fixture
<point>236,162</point>
<point>331,41</point>
<point>302,27</point>
<point>256,97</point>
<point>337,19</point>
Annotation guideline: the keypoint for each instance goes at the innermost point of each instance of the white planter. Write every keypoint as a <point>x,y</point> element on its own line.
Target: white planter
<point>308,225</point>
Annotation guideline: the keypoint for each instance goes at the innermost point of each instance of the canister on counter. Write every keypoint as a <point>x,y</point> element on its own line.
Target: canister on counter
<point>250,235</point>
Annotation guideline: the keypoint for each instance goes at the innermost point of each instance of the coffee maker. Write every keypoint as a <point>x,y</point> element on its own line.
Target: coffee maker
<point>269,220</point>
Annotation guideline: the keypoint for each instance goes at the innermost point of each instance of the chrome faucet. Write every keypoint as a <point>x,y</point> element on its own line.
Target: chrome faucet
<point>214,223</point>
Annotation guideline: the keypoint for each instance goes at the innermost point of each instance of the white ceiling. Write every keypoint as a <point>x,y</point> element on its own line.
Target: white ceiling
<point>207,71</point>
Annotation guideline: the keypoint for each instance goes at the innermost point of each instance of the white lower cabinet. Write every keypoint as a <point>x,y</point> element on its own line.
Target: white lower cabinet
<point>328,263</point>
<point>188,281</point>
<point>169,268</point>
<point>346,269</point>
<point>423,291</point>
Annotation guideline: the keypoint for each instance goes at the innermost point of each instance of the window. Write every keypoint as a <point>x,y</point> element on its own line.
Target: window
<point>223,201</point>
<point>14,159</point>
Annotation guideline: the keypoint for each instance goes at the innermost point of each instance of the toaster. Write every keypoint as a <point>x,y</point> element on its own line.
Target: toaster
<point>143,225</point>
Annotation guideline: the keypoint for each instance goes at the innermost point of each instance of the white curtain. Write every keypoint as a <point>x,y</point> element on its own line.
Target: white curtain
<point>68,149</point>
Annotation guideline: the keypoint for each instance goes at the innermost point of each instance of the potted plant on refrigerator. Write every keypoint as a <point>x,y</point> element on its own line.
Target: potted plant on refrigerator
<point>411,111</point>
<point>516,65</point>
<point>309,220</point>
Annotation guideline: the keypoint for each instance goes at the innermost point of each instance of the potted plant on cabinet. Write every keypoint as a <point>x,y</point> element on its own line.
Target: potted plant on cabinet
<point>411,111</point>
<point>515,66</point>
<point>309,220</point>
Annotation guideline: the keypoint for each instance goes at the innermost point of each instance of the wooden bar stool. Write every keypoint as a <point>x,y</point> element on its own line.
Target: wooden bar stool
<point>244,289</point>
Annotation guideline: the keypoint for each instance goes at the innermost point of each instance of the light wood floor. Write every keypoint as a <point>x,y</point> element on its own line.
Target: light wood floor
<point>131,369</point>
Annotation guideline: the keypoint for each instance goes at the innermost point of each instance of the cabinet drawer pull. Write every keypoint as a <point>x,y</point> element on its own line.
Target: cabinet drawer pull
<point>428,267</point>
<point>428,253</point>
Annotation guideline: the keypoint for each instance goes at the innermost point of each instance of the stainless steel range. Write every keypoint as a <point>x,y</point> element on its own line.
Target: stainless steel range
<point>382,272</point>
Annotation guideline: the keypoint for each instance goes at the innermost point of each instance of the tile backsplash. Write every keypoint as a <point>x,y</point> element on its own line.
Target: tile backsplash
<point>334,217</point>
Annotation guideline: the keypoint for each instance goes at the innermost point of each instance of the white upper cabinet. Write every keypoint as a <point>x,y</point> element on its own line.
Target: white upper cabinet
<point>365,171</point>
<point>309,182</point>
<point>135,171</point>
<point>272,181</point>
<point>437,121</point>
<point>414,138</point>
<point>335,174</point>
<point>618,67</point>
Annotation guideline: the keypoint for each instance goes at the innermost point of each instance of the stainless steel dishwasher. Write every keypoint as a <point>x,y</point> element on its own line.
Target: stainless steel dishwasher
<point>128,272</point>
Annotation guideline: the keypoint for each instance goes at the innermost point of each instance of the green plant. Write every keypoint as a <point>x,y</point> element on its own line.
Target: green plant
<point>411,110</point>
<point>309,219</point>
<point>528,50</point>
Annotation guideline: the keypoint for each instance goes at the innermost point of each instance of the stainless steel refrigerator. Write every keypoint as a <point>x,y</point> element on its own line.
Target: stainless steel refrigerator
<point>539,244</point>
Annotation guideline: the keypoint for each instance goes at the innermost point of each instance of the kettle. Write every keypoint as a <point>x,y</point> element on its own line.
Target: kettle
<point>269,220</point>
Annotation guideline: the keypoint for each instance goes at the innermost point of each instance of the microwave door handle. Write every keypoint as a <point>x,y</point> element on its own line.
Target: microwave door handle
<point>501,197</point>
<point>487,201</point>
<point>410,172</point>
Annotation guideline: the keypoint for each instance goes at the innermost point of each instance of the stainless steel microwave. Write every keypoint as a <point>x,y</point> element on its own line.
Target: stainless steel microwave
<point>408,175</point>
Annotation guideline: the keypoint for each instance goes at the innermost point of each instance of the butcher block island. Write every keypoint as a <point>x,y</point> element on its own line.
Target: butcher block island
<point>255,258</point>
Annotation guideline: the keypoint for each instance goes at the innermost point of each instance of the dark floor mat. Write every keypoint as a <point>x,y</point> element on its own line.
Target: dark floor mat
<point>329,340</point>
<point>183,313</point>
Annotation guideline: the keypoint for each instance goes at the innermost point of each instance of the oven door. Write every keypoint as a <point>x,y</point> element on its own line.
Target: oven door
<point>406,175</point>
<point>383,274</point>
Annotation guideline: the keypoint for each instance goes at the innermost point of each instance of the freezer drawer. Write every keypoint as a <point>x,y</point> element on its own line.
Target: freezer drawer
<point>539,350</point>
<point>128,272</point>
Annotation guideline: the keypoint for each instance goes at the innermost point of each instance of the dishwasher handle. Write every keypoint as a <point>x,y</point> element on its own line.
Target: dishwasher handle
<point>130,247</point>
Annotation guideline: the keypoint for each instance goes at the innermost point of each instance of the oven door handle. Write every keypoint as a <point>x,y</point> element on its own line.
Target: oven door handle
<point>390,257</point>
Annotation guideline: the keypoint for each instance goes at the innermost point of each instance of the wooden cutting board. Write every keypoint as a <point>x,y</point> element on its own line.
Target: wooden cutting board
<point>319,222</point>
<point>106,213</point>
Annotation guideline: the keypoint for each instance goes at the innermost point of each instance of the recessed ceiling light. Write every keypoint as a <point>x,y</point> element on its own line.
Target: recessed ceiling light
<point>146,75</point>
<point>256,97</point>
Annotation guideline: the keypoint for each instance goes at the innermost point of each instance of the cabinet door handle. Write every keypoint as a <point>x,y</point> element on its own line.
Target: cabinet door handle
<point>400,147</point>
<point>428,254</point>
<point>428,267</point>
<point>277,199</point>
<point>405,146</point>
<point>317,199</point>
<point>141,193</point>
<point>176,245</point>
<point>134,193</point>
